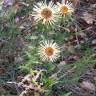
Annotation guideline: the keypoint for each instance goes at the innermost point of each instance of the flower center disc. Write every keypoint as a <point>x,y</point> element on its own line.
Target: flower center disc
<point>64,9</point>
<point>49,51</point>
<point>46,13</point>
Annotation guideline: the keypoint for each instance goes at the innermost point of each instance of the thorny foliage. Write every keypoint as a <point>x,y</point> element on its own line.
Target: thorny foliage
<point>22,72</point>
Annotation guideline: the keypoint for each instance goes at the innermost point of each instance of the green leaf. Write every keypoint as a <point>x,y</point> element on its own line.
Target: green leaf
<point>33,37</point>
<point>66,94</point>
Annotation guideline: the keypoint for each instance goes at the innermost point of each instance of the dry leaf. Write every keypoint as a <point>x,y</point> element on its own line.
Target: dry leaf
<point>87,85</point>
<point>88,17</point>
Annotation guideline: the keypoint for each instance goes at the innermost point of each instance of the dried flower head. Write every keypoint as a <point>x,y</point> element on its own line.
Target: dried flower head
<point>65,7</point>
<point>45,13</point>
<point>49,51</point>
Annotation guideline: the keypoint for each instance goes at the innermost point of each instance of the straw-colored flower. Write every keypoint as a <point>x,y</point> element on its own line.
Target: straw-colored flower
<point>65,7</point>
<point>45,13</point>
<point>49,51</point>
